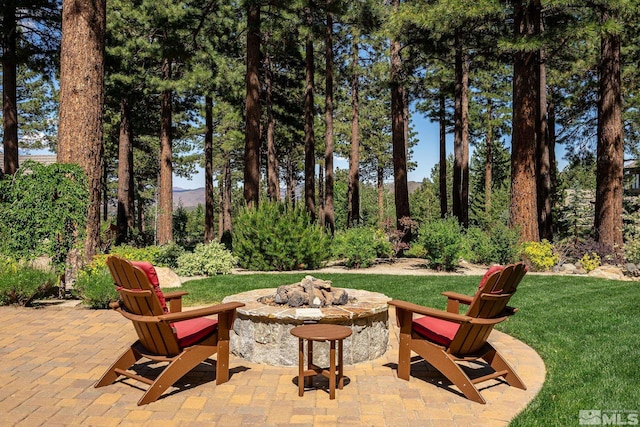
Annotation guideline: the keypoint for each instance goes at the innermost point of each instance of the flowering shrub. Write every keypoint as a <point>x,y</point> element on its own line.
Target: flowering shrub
<point>590,262</point>
<point>539,255</point>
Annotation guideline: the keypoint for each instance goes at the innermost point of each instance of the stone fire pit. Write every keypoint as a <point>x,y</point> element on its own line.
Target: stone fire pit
<point>261,331</point>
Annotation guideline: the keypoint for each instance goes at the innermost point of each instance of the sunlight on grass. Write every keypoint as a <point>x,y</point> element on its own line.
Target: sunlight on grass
<point>584,329</point>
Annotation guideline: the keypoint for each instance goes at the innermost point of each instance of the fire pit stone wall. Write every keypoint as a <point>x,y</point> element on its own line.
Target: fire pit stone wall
<point>261,332</point>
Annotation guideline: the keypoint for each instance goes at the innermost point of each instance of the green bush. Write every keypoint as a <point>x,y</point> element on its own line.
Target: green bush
<point>442,242</point>
<point>210,259</point>
<point>168,255</point>
<point>359,247</point>
<point>23,285</point>
<point>277,236</point>
<point>416,250</point>
<point>499,246</point>
<point>539,255</point>
<point>94,286</point>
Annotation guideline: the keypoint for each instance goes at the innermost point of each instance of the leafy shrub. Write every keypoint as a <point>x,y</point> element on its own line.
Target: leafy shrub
<point>23,285</point>
<point>497,246</point>
<point>442,241</point>
<point>168,255</point>
<point>277,236</point>
<point>572,249</point>
<point>43,211</point>
<point>210,259</point>
<point>94,286</point>
<point>632,251</point>
<point>416,250</point>
<point>539,255</point>
<point>590,262</point>
<point>361,246</point>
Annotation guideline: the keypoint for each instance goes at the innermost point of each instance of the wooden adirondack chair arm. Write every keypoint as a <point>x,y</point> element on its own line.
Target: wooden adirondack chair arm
<point>462,298</point>
<point>173,295</point>
<point>200,312</point>
<point>427,311</point>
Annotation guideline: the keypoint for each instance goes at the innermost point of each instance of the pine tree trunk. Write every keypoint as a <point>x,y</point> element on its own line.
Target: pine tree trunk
<point>9,84</point>
<point>442,178</point>
<point>380,188</point>
<point>226,203</point>
<point>209,229</point>
<point>81,101</point>
<point>309,137</point>
<point>523,213</point>
<point>610,151</point>
<point>353,191</point>
<point>273,168</point>
<point>329,215</point>
<point>321,194</point>
<point>545,221</point>
<point>398,136</point>
<point>252,131</point>
<point>125,174</point>
<point>461,136</point>
<point>488,159</point>
<point>165,181</point>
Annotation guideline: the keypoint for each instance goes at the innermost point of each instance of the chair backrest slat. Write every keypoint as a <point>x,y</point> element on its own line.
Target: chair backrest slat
<point>138,297</point>
<point>489,303</point>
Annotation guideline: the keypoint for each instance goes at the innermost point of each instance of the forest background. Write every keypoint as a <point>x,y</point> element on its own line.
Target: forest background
<point>263,96</point>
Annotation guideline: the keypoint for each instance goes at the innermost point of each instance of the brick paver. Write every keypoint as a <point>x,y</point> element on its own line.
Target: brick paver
<point>51,357</point>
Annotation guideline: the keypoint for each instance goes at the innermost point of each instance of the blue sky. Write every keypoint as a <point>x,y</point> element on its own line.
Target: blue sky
<point>425,154</point>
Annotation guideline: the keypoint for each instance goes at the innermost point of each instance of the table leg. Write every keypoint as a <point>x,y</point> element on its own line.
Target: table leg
<point>340,370</point>
<point>309,361</point>
<point>332,370</point>
<point>301,377</point>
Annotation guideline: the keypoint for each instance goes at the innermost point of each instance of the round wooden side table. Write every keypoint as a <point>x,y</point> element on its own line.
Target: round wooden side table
<point>320,332</point>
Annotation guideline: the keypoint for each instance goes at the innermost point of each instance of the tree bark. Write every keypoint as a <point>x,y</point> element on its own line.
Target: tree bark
<point>227,227</point>
<point>442,178</point>
<point>353,190</point>
<point>309,137</point>
<point>9,84</point>
<point>273,167</point>
<point>461,136</point>
<point>398,136</point>
<point>81,101</point>
<point>380,190</point>
<point>329,215</point>
<point>523,212</point>
<point>252,131</point>
<point>488,159</point>
<point>209,229</point>
<point>545,221</point>
<point>610,151</point>
<point>125,207</point>
<point>165,181</point>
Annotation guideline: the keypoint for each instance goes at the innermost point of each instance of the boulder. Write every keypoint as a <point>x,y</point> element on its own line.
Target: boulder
<point>608,272</point>
<point>167,278</point>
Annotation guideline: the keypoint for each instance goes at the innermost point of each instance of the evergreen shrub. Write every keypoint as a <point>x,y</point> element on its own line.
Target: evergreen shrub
<point>23,285</point>
<point>210,259</point>
<point>278,236</point>
<point>442,241</point>
<point>360,246</point>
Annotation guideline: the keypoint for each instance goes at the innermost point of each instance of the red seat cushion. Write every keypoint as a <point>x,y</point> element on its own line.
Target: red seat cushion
<point>152,275</point>
<point>436,330</point>
<point>192,331</point>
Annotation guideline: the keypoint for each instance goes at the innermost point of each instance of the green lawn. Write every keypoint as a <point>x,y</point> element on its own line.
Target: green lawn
<point>585,330</point>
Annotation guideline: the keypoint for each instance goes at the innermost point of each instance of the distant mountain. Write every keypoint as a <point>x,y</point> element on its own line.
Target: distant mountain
<point>188,198</point>
<point>192,198</point>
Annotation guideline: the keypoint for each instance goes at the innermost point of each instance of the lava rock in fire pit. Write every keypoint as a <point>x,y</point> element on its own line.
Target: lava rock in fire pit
<point>311,292</point>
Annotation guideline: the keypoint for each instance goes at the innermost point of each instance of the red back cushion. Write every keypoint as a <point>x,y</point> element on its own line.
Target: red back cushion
<point>152,275</point>
<point>488,274</point>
